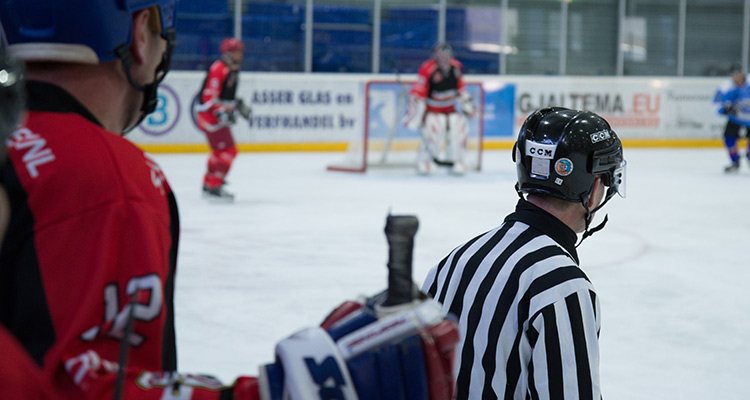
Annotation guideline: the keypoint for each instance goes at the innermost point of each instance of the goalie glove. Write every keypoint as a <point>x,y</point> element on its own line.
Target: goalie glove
<point>466,104</point>
<point>363,352</point>
<point>413,119</point>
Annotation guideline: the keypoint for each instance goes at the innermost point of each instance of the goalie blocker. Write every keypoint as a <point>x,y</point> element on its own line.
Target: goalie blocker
<point>358,354</point>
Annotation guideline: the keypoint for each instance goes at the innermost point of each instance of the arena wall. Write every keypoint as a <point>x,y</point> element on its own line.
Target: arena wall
<point>321,112</point>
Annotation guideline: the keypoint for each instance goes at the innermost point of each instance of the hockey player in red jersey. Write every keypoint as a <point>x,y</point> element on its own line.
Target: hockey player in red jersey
<point>216,112</point>
<point>20,377</point>
<point>87,266</point>
<point>432,109</point>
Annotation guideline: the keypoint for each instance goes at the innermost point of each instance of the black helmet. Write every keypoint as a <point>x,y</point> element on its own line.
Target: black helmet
<point>560,151</point>
<point>735,68</point>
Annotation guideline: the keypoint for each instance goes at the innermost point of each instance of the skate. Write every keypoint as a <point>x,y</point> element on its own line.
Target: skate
<point>424,167</point>
<point>732,168</point>
<point>217,194</point>
<point>459,168</point>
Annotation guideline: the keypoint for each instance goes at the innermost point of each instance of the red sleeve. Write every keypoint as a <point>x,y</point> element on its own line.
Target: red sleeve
<point>99,379</point>
<point>20,378</point>
<point>217,74</point>
<point>421,87</point>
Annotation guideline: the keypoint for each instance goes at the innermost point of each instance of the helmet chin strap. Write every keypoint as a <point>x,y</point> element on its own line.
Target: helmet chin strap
<point>588,232</point>
<point>149,90</point>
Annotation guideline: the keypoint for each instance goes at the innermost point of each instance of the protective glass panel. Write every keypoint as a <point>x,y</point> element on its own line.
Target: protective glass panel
<point>536,41</point>
<point>650,37</point>
<point>713,36</point>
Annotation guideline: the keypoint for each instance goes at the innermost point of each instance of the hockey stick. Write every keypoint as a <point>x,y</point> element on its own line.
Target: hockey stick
<point>242,108</point>
<point>399,315</point>
<point>400,231</point>
<point>124,348</point>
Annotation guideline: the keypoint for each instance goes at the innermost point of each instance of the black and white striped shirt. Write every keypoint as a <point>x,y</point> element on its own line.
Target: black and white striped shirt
<point>528,315</point>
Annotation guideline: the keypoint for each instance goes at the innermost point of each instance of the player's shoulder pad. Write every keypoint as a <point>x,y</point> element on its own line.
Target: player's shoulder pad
<point>428,67</point>
<point>219,66</point>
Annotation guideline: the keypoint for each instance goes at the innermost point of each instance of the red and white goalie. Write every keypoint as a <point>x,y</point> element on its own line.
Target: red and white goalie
<point>439,107</point>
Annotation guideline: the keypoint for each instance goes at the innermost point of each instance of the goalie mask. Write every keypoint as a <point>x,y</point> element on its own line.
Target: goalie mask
<point>442,53</point>
<point>560,152</point>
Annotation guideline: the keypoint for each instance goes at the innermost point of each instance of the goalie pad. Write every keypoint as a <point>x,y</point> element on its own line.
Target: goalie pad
<point>433,135</point>
<point>405,355</point>
<point>458,134</point>
<point>414,113</point>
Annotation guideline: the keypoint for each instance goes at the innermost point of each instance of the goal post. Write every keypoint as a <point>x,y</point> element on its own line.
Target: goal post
<point>385,143</point>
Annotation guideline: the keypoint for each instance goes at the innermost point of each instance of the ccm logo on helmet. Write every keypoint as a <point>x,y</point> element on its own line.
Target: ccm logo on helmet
<point>540,150</point>
<point>597,137</point>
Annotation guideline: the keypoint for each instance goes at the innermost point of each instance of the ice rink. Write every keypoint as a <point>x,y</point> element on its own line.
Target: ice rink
<point>672,267</point>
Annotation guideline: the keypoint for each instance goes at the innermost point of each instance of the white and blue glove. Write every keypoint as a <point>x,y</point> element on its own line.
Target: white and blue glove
<point>368,352</point>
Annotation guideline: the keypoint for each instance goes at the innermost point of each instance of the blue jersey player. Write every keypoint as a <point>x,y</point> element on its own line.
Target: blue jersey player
<point>733,100</point>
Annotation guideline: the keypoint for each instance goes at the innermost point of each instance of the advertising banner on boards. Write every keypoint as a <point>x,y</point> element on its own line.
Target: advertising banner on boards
<point>330,108</point>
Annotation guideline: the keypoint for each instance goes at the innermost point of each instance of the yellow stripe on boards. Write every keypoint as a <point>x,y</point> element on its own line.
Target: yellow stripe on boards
<point>488,145</point>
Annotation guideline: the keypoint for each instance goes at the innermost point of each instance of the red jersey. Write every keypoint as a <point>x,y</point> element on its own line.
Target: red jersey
<point>219,90</point>
<point>90,252</point>
<point>439,88</point>
<point>20,378</point>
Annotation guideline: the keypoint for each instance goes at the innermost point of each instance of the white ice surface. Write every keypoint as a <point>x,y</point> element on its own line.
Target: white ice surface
<point>671,268</point>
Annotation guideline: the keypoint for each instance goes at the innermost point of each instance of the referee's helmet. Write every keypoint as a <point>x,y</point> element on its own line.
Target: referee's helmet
<point>560,151</point>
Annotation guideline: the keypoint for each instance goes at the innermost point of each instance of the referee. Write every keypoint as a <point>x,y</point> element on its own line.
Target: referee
<point>528,315</point>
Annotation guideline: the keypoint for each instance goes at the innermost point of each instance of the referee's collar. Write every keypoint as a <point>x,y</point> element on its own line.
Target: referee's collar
<point>540,219</point>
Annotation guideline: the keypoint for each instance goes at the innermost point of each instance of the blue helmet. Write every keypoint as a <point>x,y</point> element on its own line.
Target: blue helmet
<point>86,31</point>
<point>83,31</point>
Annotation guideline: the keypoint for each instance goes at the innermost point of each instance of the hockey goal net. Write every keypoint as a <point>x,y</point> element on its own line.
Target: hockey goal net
<point>385,143</point>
